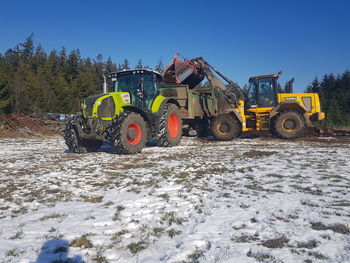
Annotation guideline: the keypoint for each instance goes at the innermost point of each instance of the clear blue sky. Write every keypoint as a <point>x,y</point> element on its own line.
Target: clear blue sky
<point>304,39</point>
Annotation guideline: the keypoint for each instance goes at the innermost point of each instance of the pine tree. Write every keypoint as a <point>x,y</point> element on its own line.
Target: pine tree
<point>314,87</point>
<point>160,66</point>
<point>28,47</point>
<point>125,65</point>
<point>139,64</point>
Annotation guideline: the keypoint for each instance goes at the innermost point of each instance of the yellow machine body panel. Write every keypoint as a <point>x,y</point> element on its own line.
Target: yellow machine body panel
<point>307,103</point>
<point>310,101</point>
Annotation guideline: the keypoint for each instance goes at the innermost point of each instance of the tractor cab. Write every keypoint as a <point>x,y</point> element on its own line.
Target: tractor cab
<point>142,85</point>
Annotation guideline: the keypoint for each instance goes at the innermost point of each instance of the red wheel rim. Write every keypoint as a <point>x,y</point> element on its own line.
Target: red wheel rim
<point>135,130</point>
<point>173,125</point>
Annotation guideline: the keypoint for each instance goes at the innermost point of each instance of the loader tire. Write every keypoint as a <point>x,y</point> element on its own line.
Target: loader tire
<point>225,128</point>
<point>170,127</point>
<point>127,133</point>
<point>289,125</point>
<point>202,128</point>
<point>76,144</point>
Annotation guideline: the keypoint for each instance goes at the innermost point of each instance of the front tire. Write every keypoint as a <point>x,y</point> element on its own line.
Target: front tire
<point>170,127</point>
<point>128,133</point>
<point>77,144</point>
<point>225,127</point>
<point>289,125</point>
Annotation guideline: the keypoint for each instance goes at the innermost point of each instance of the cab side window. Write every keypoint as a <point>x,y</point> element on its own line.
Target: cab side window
<point>149,88</point>
<point>251,96</point>
<point>267,96</point>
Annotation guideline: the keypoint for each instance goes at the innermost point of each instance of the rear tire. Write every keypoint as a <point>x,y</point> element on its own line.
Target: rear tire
<point>170,127</point>
<point>225,127</point>
<point>76,144</point>
<point>127,133</point>
<point>289,125</point>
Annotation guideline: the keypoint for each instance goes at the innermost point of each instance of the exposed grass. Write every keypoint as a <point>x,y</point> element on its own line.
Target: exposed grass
<point>158,231</point>
<point>134,248</point>
<point>82,242</point>
<point>338,228</point>
<point>13,253</point>
<point>318,255</point>
<point>117,214</point>
<point>308,244</point>
<point>274,175</point>
<point>99,257</point>
<point>52,229</point>
<point>166,197</point>
<point>18,235</point>
<point>170,218</point>
<point>195,256</point>
<point>108,204</point>
<point>172,233</point>
<point>53,216</point>
<point>276,242</point>
<point>118,235</point>
<point>92,199</point>
<point>20,211</point>
<point>244,239</point>
<point>261,257</point>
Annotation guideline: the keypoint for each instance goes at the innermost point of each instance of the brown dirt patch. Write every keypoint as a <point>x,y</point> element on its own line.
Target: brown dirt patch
<point>20,125</point>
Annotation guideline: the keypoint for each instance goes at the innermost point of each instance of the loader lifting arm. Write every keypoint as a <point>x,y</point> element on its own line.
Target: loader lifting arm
<point>192,72</point>
<point>232,91</point>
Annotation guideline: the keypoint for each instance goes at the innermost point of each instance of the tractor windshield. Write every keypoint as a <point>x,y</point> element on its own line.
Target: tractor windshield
<point>128,83</point>
<point>142,87</point>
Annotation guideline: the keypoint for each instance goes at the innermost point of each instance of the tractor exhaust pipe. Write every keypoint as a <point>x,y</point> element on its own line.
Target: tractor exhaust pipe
<point>104,87</point>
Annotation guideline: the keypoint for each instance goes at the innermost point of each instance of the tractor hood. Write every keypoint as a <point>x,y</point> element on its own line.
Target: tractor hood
<point>106,106</point>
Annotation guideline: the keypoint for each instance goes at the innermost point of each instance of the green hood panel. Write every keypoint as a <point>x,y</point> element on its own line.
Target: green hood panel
<point>106,106</point>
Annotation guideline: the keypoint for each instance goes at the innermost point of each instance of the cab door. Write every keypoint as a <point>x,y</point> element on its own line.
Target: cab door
<point>261,99</point>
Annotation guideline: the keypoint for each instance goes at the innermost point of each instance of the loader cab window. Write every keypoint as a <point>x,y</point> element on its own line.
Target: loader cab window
<point>251,101</point>
<point>267,96</point>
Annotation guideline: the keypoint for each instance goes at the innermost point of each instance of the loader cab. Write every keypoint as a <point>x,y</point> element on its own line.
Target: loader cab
<point>262,92</point>
<point>142,85</point>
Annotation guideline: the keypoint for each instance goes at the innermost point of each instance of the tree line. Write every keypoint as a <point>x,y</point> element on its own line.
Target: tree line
<point>33,81</point>
<point>334,92</point>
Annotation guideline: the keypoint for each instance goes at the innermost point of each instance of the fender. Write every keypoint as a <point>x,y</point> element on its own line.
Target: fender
<point>236,113</point>
<point>159,104</point>
<point>144,115</point>
<point>290,105</point>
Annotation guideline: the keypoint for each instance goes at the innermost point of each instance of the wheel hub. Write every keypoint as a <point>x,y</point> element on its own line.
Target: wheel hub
<point>134,133</point>
<point>289,125</point>
<point>131,133</point>
<point>224,128</point>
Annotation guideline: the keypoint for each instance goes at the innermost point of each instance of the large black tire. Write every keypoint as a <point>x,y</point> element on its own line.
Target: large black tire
<point>127,133</point>
<point>76,144</point>
<point>289,125</point>
<point>202,128</point>
<point>225,127</point>
<point>170,127</point>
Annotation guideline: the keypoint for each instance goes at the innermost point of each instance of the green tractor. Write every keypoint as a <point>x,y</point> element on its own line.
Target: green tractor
<point>128,117</point>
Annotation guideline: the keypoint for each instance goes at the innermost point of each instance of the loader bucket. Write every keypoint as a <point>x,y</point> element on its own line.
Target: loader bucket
<point>182,72</point>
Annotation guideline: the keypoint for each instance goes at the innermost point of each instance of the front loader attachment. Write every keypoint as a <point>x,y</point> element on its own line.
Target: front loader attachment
<point>182,72</point>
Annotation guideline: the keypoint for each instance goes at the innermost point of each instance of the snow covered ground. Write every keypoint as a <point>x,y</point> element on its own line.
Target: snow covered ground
<point>248,200</point>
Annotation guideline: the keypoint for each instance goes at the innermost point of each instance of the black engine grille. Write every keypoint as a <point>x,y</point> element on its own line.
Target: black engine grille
<point>107,108</point>
<point>90,103</point>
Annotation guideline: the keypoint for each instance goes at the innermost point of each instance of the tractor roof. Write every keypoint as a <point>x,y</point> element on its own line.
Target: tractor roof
<point>140,70</point>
